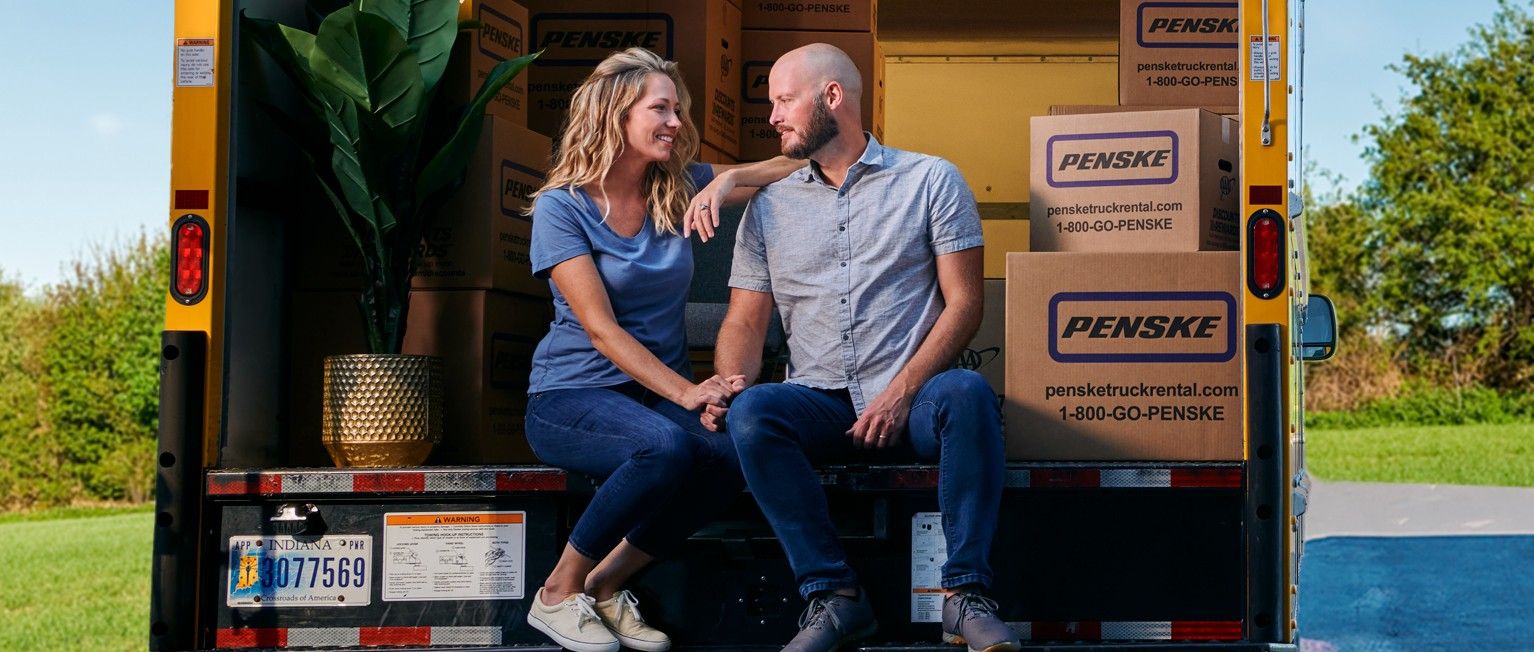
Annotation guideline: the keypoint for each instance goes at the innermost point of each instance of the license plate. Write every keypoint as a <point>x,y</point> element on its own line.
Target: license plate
<point>300,571</point>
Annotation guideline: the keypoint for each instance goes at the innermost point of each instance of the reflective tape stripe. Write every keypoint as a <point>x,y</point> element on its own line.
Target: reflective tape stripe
<point>1093,631</point>
<point>280,637</point>
<point>1120,478</point>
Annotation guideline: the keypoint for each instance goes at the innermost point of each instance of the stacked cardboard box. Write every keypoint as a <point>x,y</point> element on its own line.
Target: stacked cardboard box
<point>1179,53</point>
<point>772,29</point>
<point>702,36</point>
<point>1122,328</point>
<point>502,35</point>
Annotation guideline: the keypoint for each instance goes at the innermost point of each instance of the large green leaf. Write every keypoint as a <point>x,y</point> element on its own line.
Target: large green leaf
<point>447,165</point>
<point>429,26</point>
<point>362,56</point>
<point>351,165</point>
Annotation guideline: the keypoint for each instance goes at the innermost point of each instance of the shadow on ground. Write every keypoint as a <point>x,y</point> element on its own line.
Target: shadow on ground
<point>1417,594</point>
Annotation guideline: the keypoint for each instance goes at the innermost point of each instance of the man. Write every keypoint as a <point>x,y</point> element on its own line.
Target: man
<point>873,257</point>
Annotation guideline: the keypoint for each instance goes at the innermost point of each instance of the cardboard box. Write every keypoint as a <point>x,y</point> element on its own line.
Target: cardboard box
<point>1001,238</point>
<point>1178,53</point>
<point>482,239</point>
<point>1076,109</point>
<point>985,352</point>
<point>502,35</point>
<point>1149,181</point>
<point>759,139</point>
<point>486,341</point>
<point>819,16</point>
<point>708,154</point>
<point>702,36</point>
<point>1131,357</point>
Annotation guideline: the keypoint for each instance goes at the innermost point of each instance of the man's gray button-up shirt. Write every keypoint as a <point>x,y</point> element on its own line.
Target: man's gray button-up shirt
<point>853,269</point>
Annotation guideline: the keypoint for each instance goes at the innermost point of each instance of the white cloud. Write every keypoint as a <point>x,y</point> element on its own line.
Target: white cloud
<point>106,124</point>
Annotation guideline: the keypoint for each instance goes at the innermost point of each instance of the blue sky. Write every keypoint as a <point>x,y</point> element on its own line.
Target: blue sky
<point>85,126</point>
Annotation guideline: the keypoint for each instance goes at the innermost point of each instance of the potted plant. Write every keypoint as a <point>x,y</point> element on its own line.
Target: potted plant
<point>387,157</point>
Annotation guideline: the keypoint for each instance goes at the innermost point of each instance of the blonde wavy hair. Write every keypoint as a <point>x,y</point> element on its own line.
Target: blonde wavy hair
<point>593,136</point>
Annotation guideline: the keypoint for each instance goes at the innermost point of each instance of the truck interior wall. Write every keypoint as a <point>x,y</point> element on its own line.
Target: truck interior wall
<point>268,180</point>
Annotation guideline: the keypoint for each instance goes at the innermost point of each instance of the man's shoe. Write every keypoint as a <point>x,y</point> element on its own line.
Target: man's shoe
<point>831,621</point>
<point>572,623</point>
<point>970,619</point>
<point>621,615</point>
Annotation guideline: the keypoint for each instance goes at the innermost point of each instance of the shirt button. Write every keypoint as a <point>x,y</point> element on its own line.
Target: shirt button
<point>844,301</point>
<point>844,337</point>
<point>844,264</point>
<point>841,228</point>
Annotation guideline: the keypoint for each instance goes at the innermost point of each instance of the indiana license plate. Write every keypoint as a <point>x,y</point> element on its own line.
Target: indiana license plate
<point>300,571</point>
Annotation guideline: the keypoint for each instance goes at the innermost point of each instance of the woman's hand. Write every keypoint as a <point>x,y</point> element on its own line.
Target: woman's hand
<point>703,212</point>
<point>715,391</point>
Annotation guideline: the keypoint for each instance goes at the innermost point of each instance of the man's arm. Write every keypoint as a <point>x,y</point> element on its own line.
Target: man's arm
<point>738,350</point>
<point>960,279</point>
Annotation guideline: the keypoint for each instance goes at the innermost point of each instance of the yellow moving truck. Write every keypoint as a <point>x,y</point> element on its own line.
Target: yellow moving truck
<point>1142,509</point>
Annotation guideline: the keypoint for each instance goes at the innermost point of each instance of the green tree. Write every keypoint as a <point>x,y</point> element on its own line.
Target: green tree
<point>100,367</point>
<point>1450,209</point>
<point>30,458</point>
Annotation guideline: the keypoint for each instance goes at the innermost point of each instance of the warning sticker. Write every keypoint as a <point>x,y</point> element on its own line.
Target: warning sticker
<point>1267,68</point>
<point>929,551</point>
<point>194,61</point>
<point>454,555</point>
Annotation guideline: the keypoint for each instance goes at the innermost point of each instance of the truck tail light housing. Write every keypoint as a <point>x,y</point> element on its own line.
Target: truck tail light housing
<point>189,259</point>
<point>1265,254</point>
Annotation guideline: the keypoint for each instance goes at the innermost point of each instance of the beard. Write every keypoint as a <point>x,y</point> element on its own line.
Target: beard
<point>821,130</point>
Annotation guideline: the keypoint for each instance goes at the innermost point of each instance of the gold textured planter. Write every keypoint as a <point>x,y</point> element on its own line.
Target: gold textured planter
<point>380,409</point>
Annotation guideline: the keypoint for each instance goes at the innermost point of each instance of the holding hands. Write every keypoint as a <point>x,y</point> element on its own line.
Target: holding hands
<point>715,392</point>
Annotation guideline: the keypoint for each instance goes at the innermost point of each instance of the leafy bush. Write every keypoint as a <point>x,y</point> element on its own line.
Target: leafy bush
<point>1422,404</point>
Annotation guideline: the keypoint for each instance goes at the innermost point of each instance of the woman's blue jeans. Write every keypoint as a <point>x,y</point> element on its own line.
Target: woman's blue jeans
<point>663,476</point>
<point>783,430</point>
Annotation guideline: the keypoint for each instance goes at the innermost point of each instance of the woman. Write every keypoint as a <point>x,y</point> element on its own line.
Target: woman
<point>610,394</point>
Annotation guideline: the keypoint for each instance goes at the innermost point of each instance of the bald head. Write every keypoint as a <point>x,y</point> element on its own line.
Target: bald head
<point>818,64</point>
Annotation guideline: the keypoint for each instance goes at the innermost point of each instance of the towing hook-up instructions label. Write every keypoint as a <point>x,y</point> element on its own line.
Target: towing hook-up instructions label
<point>454,555</point>
<point>929,551</point>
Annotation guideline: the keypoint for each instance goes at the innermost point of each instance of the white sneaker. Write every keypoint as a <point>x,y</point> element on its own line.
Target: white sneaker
<point>572,623</point>
<point>621,615</point>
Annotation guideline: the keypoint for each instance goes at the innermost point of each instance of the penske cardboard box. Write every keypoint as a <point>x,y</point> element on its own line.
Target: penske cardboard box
<point>702,36</point>
<point>482,239</point>
<point>1123,356</point>
<point>1001,238</point>
<point>818,16</point>
<point>984,353</point>
<point>502,35</point>
<point>1151,181</point>
<point>758,138</point>
<point>1178,53</point>
<point>485,340</point>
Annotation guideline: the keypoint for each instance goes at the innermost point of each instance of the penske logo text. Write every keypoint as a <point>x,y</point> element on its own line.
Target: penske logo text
<point>1138,158</point>
<point>753,87</point>
<point>1128,327</point>
<point>500,36</point>
<point>582,39</point>
<point>518,183</point>
<point>1187,24</point>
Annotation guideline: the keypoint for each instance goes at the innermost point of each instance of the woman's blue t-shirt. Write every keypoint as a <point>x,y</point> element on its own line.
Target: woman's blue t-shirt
<point>647,278</point>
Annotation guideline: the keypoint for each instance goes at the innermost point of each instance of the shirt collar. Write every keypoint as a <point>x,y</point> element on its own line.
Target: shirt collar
<point>873,156</point>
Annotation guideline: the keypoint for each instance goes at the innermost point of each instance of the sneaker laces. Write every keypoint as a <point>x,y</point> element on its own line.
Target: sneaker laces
<point>585,610</point>
<point>627,602</point>
<point>973,605</point>
<point>816,615</point>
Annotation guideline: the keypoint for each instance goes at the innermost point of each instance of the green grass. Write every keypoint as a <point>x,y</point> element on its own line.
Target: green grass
<point>1501,455</point>
<point>71,582</point>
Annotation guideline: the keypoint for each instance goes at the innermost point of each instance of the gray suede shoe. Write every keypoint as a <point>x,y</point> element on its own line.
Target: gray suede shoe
<point>832,621</point>
<point>970,619</point>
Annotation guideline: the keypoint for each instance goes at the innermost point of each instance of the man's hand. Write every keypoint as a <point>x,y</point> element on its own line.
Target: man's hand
<point>883,421</point>
<point>712,416</point>
<point>703,211</point>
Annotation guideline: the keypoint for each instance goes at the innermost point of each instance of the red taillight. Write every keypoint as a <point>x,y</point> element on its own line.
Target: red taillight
<point>1265,257</point>
<point>190,259</point>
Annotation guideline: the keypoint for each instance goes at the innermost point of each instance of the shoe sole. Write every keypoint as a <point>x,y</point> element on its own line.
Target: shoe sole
<point>569,643</point>
<point>1006,646</point>
<point>855,636</point>
<point>642,646</point>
